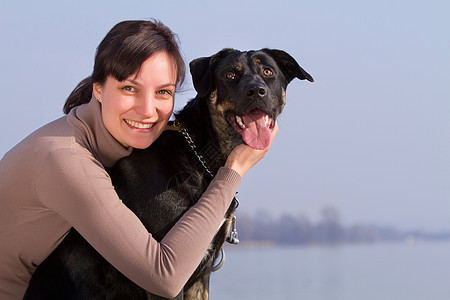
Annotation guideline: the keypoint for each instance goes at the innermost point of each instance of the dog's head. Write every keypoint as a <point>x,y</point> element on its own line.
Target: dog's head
<point>245,91</point>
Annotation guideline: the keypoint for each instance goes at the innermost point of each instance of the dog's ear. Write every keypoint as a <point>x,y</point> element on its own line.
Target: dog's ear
<point>202,71</point>
<point>288,65</point>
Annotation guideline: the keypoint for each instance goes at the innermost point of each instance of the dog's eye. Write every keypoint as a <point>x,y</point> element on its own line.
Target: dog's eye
<point>230,75</point>
<point>267,72</point>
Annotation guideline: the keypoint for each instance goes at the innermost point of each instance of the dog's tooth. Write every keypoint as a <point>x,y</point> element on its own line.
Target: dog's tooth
<point>266,119</point>
<point>239,121</point>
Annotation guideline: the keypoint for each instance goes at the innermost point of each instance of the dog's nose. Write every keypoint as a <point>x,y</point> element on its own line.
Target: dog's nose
<point>256,90</point>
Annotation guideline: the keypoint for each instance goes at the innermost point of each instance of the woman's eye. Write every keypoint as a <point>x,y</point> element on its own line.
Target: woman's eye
<point>165,92</point>
<point>267,72</point>
<point>129,88</point>
<point>230,75</point>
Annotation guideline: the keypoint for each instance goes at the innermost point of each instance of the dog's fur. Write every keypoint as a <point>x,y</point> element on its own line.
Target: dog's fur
<point>160,183</point>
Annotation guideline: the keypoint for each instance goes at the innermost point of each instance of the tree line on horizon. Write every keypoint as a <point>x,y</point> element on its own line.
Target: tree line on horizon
<point>299,230</point>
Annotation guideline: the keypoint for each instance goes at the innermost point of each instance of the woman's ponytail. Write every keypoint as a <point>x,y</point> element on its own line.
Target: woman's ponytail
<point>80,95</point>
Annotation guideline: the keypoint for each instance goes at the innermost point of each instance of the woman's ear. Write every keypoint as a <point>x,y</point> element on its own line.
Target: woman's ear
<point>97,91</point>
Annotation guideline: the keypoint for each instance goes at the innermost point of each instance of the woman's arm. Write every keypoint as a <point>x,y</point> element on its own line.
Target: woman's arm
<point>78,188</point>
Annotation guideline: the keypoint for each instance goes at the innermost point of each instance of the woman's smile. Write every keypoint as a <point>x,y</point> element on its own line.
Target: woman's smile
<point>139,125</point>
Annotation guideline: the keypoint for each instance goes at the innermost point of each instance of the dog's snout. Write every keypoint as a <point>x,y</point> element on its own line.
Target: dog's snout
<point>256,90</point>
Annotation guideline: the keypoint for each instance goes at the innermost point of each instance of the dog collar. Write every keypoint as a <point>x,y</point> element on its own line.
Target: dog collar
<point>173,125</point>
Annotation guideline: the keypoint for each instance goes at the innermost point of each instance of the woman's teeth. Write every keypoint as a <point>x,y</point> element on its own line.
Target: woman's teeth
<point>139,125</point>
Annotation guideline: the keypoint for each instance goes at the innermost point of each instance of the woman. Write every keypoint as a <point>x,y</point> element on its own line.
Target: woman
<point>55,178</point>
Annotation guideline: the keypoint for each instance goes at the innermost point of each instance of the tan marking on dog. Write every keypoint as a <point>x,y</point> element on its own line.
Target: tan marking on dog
<point>221,125</point>
<point>257,61</point>
<point>199,291</point>
<point>223,107</point>
<point>213,98</point>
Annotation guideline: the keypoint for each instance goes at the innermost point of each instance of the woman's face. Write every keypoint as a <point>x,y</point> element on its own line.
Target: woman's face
<point>135,111</point>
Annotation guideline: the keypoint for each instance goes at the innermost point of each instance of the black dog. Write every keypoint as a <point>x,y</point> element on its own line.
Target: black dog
<point>240,95</point>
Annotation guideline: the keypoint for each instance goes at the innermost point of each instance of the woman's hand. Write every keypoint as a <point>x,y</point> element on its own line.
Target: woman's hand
<point>243,157</point>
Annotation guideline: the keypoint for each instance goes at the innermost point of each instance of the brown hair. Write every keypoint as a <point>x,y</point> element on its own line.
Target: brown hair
<point>122,52</point>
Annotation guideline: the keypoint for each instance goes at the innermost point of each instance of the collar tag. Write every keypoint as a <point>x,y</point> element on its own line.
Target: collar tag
<point>173,126</point>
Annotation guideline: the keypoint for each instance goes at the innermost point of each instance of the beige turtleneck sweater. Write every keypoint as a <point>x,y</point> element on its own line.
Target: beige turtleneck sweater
<point>55,179</point>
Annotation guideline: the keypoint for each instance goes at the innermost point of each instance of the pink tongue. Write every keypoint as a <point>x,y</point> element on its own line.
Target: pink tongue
<point>256,134</point>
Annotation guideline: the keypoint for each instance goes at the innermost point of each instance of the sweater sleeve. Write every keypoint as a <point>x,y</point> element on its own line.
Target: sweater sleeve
<point>78,188</point>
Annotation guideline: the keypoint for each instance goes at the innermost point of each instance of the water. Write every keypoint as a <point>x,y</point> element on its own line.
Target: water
<point>397,271</point>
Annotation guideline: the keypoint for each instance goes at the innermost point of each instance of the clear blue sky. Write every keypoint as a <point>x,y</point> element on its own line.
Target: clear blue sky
<point>370,136</point>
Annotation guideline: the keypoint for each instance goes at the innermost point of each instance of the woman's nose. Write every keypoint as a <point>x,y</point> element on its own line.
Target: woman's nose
<point>146,106</point>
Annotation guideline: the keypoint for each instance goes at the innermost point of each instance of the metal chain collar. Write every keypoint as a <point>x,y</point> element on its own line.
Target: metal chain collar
<point>233,235</point>
<point>191,143</point>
